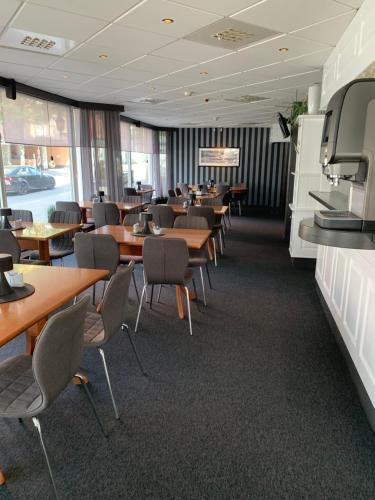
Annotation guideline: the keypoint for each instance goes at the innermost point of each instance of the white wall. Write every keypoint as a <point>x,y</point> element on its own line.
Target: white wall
<point>354,52</point>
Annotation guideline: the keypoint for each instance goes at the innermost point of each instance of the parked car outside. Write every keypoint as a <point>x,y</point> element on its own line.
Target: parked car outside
<point>22,179</point>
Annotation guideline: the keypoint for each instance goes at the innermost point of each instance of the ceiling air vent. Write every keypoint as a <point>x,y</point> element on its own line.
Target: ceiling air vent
<point>247,99</point>
<point>230,34</point>
<point>36,42</point>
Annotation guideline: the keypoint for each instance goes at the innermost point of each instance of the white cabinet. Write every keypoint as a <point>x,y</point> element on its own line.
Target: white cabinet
<point>307,177</point>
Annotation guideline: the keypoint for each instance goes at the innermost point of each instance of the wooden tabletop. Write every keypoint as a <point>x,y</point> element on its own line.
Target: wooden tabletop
<point>195,238</point>
<point>54,286</point>
<point>40,231</point>
<point>218,209</point>
<point>140,192</point>
<point>87,205</point>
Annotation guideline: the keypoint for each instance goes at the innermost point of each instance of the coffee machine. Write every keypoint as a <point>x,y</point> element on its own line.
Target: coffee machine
<point>348,153</point>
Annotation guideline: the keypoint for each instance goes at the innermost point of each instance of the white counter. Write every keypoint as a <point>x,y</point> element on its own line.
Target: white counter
<point>346,279</point>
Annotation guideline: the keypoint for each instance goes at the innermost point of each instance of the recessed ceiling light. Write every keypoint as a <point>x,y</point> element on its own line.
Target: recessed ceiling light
<point>283,49</point>
<point>188,93</point>
<point>103,56</point>
<point>65,77</point>
<point>167,20</point>
<point>203,73</point>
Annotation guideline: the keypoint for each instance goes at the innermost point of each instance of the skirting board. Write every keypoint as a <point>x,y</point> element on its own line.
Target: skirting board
<point>364,399</point>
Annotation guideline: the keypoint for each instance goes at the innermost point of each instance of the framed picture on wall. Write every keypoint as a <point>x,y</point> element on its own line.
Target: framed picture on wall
<point>219,157</point>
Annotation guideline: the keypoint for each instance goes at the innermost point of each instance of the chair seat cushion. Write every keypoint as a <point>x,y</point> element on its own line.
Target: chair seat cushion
<point>19,393</point>
<point>197,261</point>
<point>93,335</point>
<point>125,259</point>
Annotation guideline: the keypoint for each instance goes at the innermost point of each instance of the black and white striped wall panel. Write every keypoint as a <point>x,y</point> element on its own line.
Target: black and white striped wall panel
<point>263,166</point>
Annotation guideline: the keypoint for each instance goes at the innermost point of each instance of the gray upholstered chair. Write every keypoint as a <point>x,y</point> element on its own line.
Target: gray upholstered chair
<point>172,193</point>
<point>209,214</point>
<point>105,214</point>
<point>24,215</point>
<point>73,206</point>
<point>147,197</point>
<point>216,201</point>
<point>132,199</point>
<point>131,219</point>
<point>178,191</point>
<point>102,326</point>
<point>184,188</point>
<point>197,258</point>
<point>162,215</point>
<point>9,244</point>
<point>239,197</point>
<point>99,251</point>
<point>29,385</point>
<point>221,188</point>
<point>165,262</point>
<point>129,191</point>
<point>176,200</point>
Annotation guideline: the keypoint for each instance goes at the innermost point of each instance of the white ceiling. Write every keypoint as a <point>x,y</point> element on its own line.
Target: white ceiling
<point>151,67</point>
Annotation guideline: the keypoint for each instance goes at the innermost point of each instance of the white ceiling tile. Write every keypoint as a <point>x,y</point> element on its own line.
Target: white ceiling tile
<point>90,52</point>
<point>185,50</point>
<point>20,73</point>
<point>120,37</point>
<point>158,65</point>
<point>95,8</point>
<point>133,75</point>
<point>8,8</point>
<point>289,15</point>
<point>328,32</point>
<point>44,20</point>
<point>86,68</point>
<point>222,7</point>
<point>148,16</point>
<point>315,59</point>
<point>26,57</point>
<point>62,76</point>
<point>351,3</point>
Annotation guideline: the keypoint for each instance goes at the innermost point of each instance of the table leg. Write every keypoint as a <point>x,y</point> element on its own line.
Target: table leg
<point>210,247</point>
<point>83,215</point>
<point>31,335</point>
<point>180,307</point>
<point>43,248</point>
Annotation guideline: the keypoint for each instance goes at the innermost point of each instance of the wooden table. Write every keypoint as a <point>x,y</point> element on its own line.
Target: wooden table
<point>124,208</point>
<point>36,236</point>
<point>180,210</point>
<point>141,192</point>
<point>54,286</point>
<point>238,190</point>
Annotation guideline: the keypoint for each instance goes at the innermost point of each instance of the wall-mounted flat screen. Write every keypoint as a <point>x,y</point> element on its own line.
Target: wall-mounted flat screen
<point>219,157</point>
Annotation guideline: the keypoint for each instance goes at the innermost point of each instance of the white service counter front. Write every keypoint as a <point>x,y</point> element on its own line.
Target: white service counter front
<point>347,281</point>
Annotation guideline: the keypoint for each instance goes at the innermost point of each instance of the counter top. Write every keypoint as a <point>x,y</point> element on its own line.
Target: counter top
<point>333,200</point>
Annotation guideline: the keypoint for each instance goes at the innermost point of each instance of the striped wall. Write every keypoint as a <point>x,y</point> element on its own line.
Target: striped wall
<point>263,166</point>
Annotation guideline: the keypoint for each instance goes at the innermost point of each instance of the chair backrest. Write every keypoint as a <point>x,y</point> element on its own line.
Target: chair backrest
<point>105,214</point>
<point>204,189</point>
<point>227,198</point>
<point>178,191</point>
<point>130,191</point>
<point>172,193</point>
<point>24,215</point>
<point>165,260</point>
<point>146,186</point>
<point>162,215</point>
<point>207,212</point>
<point>212,202</point>
<point>58,350</point>
<point>131,219</point>
<point>96,251</point>
<point>132,199</point>
<point>58,216</point>
<point>68,206</point>
<point>176,200</point>
<point>190,222</point>
<point>183,187</point>
<point>222,187</point>
<point>113,308</point>
<point>10,245</point>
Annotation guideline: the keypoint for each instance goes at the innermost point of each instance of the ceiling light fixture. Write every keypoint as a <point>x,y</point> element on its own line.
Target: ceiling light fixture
<point>103,56</point>
<point>283,49</point>
<point>167,20</point>
<point>203,73</point>
<point>65,77</point>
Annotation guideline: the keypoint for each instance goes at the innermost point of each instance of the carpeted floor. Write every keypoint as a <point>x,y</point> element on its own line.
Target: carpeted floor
<point>258,404</point>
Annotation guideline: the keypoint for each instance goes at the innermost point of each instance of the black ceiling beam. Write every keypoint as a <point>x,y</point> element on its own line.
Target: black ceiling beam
<point>138,123</point>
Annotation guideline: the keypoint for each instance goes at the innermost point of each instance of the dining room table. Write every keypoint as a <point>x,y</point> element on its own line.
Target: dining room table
<point>54,286</point>
<point>124,208</point>
<point>37,235</point>
<point>181,210</point>
<point>130,244</point>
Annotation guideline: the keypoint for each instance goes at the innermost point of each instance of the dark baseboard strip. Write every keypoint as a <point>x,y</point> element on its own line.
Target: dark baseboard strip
<point>362,393</point>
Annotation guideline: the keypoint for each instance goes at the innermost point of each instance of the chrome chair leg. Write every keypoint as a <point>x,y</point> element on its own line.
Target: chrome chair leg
<point>188,308</point>
<point>36,422</point>
<point>101,352</point>
<point>209,277</point>
<point>140,307</point>
<point>196,295</point>
<point>93,406</point>
<point>239,208</point>
<point>215,257</point>
<point>135,286</point>
<point>221,243</point>
<point>125,328</point>
<point>144,283</point>
<point>152,295</point>
<point>93,293</point>
<point>203,289</point>
<point>159,292</point>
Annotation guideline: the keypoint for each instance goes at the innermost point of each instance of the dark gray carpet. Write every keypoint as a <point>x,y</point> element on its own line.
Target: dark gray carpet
<point>257,404</point>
